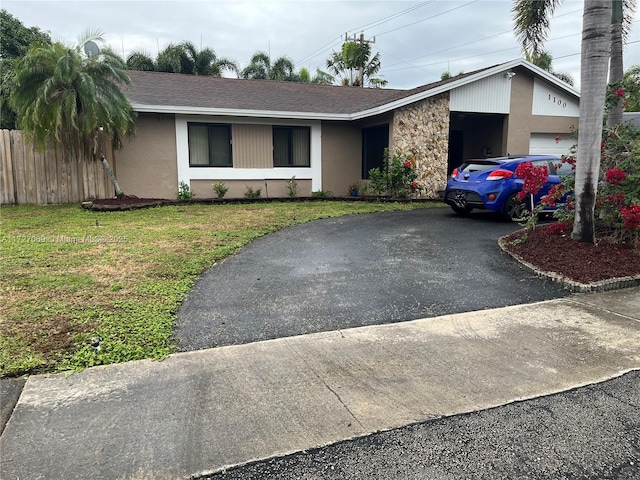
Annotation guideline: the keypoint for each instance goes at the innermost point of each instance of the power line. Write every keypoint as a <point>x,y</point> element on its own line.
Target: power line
<point>483,39</point>
<point>455,59</point>
<point>424,19</point>
<point>386,19</point>
<point>392,16</point>
<point>451,48</point>
<point>317,52</point>
<point>491,53</point>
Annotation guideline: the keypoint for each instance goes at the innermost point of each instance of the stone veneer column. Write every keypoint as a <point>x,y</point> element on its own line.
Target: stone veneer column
<point>422,130</point>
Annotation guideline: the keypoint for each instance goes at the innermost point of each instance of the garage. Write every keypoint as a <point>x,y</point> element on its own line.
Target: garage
<point>551,144</point>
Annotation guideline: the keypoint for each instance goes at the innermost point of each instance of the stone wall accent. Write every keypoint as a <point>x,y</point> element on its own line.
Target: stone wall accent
<point>422,130</point>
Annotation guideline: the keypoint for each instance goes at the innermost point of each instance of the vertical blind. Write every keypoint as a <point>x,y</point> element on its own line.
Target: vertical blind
<point>210,145</point>
<point>291,147</point>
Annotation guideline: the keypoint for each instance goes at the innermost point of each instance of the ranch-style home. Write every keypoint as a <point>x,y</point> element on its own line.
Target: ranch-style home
<point>258,133</point>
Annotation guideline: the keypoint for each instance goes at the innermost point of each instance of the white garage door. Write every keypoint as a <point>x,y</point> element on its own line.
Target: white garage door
<point>546,144</point>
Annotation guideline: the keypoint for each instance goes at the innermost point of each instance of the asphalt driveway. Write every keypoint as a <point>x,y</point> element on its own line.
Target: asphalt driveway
<point>354,271</point>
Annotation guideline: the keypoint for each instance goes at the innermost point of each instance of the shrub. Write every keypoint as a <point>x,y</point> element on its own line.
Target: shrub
<point>251,193</point>
<point>184,191</point>
<point>322,193</point>
<point>221,189</point>
<point>292,187</point>
<point>397,179</point>
<point>617,212</point>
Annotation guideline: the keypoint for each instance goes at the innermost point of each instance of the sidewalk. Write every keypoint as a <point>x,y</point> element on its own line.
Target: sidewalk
<point>202,411</point>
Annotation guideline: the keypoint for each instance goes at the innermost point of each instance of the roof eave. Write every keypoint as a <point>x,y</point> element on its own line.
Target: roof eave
<point>465,81</point>
<point>234,112</point>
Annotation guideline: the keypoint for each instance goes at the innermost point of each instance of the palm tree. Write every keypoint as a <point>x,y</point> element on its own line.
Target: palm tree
<point>616,66</point>
<point>544,60</point>
<point>531,25</point>
<point>593,79</point>
<point>174,59</point>
<point>320,78</point>
<point>532,17</point>
<point>15,40</point>
<point>141,61</point>
<point>447,75</point>
<point>206,62</point>
<point>631,84</point>
<point>74,100</point>
<point>356,66</point>
<point>262,68</point>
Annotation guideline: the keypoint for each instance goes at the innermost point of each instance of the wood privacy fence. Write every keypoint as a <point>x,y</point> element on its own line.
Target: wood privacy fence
<point>28,176</point>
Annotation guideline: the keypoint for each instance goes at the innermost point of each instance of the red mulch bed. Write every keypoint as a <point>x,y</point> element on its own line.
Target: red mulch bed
<point>578,261</point>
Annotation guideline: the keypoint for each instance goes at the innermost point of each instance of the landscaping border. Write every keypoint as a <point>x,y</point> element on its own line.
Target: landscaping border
<point>572,285</point>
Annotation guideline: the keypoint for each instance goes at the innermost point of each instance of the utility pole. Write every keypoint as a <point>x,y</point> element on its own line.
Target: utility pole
<point>359,39</point>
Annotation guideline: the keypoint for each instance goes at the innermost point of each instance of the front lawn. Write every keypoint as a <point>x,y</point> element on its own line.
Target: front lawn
<point>68,275</point>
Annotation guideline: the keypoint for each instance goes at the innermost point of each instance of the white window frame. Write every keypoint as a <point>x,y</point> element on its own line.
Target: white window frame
<point>187,173</point>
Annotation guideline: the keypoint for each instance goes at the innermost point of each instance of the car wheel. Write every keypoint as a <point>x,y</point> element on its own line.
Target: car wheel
<point>515,210</point>
<point>464,210</point>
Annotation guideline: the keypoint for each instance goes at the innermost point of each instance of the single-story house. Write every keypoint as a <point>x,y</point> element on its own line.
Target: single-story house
<point>258,133</point>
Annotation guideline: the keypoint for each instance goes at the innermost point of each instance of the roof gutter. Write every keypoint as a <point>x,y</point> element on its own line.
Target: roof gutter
<point>231,112</point>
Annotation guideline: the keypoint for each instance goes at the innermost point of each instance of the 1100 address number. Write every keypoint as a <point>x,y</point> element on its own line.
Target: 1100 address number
<point>557,101</point>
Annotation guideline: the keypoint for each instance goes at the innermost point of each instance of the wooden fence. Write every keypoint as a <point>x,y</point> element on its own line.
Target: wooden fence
<point>28,176</point>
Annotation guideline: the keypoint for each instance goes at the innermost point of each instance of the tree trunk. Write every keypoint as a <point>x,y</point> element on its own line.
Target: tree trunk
<point>616,67</point>
<point>596,29</point>
<point>111,176</point>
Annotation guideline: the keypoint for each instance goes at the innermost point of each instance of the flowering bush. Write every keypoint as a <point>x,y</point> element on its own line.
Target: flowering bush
<point>398,179</point>
<point>533,177</point>
<point>617,212</point>
<point>614,176</point>
<point>616,93</point>
<point>631,217</point>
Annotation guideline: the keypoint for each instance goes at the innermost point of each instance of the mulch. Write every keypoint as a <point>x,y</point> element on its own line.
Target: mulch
<point>578,261</point>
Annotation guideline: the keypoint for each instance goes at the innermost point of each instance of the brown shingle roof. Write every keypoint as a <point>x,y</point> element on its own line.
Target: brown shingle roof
<point>172,91</point>
<point>175,90</point>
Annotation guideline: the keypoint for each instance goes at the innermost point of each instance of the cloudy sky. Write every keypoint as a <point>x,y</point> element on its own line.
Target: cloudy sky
<point>417,40</point>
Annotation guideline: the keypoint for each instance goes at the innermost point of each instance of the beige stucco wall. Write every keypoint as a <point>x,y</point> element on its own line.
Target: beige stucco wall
<point>341,156</point>
<point>238,188</point>
<point>422,130</point>
<point>146,165</point>
<point>521,122</point>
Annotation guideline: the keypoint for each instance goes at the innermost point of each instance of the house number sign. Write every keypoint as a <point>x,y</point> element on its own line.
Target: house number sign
<point>557,101</point>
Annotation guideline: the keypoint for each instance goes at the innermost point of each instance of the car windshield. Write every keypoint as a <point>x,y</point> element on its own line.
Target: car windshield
<point>477,166</point>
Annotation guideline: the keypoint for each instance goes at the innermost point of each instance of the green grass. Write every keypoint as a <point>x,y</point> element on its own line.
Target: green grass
<point>68,275</point>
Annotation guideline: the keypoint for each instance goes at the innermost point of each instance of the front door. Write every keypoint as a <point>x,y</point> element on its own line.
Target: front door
<point>374,142</point>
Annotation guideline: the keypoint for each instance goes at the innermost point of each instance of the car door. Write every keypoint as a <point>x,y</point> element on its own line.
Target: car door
<point>553,178</point>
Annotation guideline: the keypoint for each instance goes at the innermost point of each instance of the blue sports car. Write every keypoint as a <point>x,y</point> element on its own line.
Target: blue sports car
<point>492,184</point>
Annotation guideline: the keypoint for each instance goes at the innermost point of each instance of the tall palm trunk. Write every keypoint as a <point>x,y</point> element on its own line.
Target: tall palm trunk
<point>119,193</point>
<point>596,29</point>
<point>97,151</point>
<point>616,68</point>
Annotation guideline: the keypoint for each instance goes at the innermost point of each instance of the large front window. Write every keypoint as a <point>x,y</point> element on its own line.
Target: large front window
<point>291,147</point>
<point>210,145</point>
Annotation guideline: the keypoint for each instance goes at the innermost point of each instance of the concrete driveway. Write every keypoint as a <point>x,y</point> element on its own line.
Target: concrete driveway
<point>355,271</point>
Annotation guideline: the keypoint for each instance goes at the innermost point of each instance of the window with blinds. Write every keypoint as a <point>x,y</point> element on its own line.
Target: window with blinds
<point>210,145</point>
<point>291,146</point>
